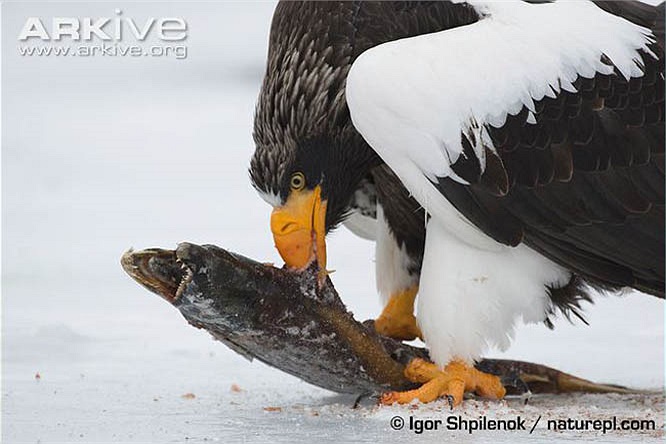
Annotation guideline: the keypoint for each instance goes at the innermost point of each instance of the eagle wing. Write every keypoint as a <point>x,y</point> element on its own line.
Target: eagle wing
<point>540,123</point>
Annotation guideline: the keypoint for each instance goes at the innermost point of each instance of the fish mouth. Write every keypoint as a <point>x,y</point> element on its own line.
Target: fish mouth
<point>158,270</point>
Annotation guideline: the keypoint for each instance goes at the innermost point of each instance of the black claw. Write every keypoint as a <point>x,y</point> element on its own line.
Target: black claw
<point>359,398</point>
<point>451,400</point>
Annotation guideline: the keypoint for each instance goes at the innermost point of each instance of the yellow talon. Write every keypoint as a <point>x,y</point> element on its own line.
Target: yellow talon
<point>452,381</point>
<point>397,320</point>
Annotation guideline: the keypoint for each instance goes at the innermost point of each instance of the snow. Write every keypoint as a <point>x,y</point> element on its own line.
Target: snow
<point>101,155</point>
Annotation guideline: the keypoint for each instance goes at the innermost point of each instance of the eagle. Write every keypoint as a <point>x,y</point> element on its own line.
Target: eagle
<point>506,157</point>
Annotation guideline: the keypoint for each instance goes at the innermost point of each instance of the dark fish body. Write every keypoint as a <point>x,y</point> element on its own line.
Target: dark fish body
<point>290,322</point>
<point>278,317</point>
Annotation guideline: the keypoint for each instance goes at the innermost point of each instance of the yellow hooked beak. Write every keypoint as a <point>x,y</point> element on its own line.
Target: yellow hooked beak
<point>299,229</point>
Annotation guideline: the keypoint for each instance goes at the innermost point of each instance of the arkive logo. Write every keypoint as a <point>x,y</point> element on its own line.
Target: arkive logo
<point>108,29</point>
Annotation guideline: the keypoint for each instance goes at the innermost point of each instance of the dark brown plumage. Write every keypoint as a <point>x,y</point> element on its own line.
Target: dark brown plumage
<point>302,116</point>
<point>584,186</point>
<point>586,183</point>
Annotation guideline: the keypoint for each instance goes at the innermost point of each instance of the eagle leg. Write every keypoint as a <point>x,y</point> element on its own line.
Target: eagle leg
<point>452,382</point>
<point>397,320</point>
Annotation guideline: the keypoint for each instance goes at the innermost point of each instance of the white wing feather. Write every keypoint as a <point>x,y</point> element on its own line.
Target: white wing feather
<point>411,99</point>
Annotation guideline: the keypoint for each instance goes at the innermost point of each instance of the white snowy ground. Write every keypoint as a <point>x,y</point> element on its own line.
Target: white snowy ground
<point>102,154</point>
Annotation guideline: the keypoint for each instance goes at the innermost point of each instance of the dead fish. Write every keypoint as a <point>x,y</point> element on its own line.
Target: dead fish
<point>289,321</point>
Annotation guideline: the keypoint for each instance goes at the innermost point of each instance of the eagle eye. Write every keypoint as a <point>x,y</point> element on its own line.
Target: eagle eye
<point>297,181</point>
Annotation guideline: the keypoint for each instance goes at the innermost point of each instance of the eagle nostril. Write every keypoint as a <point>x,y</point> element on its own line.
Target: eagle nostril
<point>288,228</point>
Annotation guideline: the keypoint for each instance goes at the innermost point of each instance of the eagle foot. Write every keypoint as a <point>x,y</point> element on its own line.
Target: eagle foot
<point>451,382</point>
<point>397,320</point>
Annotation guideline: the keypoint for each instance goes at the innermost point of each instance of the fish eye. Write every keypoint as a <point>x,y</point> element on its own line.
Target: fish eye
<point>297,181</point>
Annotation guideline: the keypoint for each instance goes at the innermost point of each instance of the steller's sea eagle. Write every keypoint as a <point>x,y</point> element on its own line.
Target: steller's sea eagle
<point>505,156</point>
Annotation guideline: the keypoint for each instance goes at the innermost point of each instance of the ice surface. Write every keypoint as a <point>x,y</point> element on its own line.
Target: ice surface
<point>100,155</point>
